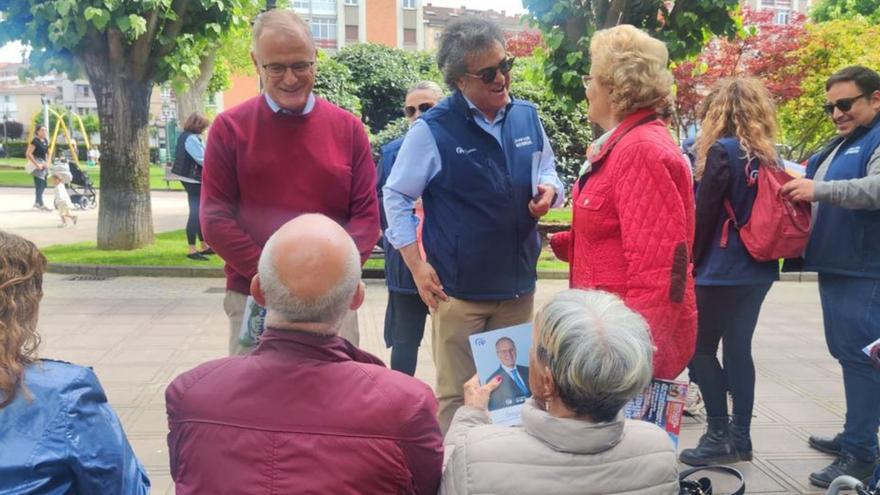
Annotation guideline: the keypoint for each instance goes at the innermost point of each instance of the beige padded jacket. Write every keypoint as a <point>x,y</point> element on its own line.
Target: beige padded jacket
<point>556,456</point>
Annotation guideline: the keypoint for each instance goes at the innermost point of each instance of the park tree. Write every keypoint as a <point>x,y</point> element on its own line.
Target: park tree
<point>830,46</point>
<point>568,27</point>
<point>124,48</point>
<point>523,43</point>
<point>830,10</point>
<point>382,76</point>
<point>762,49</point>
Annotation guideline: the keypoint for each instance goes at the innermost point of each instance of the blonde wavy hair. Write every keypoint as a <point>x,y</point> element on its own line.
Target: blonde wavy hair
<point>740,108</point>
<point>21,289</point>
<point>633,66</point>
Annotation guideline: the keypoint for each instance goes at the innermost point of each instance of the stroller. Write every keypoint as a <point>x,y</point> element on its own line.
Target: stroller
<point>849,483</point>
<point>82,191</point>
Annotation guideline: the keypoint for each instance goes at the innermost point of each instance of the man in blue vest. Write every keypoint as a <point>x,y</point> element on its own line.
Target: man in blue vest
<point>483,166</point>
<point>843,183</point>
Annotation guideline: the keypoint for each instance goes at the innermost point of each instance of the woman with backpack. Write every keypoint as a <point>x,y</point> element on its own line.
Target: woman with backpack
<point>736,138</point>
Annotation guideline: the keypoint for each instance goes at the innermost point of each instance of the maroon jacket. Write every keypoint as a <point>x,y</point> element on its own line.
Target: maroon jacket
<point>303,413</point>
<point>632,233</point>
<point>263,169</point>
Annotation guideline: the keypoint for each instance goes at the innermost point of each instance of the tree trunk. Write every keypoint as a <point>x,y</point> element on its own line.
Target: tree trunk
<point>125,218</point>
<point>193,99</point>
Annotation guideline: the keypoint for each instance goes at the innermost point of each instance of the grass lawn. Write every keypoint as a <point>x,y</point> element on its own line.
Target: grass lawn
<point>170,250</point>
<point>557,215</point>
<point>17,177</point>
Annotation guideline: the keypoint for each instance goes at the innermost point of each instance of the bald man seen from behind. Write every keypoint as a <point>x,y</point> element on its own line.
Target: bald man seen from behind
<point>306,411</point>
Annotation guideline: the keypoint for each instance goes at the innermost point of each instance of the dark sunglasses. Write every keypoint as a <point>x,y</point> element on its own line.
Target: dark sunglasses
<point>489,74</point>
<point>843,104</point>
<point>411,110</point>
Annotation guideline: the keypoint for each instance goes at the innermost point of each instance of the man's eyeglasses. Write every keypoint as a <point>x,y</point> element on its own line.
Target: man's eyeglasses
<point>843,104</point>
<point>278,70</point>
<point>411,110</point>
<point>489,74</point>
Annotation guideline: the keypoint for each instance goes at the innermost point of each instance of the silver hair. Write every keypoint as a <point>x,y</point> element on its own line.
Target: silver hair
<point>329,308</point>
<point>427,86</point>
<point>282,19</point>
<point>461,39</point>
<point>599,351</point>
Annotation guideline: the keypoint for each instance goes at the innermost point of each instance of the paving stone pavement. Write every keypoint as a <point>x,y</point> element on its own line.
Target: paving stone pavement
<point>139,333</point>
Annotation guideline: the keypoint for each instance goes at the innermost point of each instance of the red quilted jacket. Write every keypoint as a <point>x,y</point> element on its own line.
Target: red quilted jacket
<point>632,235</point>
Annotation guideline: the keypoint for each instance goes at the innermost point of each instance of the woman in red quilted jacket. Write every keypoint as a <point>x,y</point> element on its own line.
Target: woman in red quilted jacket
<point>633,205</point>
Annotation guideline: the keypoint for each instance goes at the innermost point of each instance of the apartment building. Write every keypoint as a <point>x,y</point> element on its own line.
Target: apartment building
<point>436,18</point>
<point>339,23</point>
<point>782,8</point>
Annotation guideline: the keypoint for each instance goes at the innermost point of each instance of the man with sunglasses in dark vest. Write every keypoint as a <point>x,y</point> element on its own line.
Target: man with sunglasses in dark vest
<point>843,183</point>
<point>483,166</point>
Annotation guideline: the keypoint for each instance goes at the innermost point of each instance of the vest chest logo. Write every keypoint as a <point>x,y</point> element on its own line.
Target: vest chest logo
<point>522,141</point>
<point>853,151</point>
<point>462,151</point>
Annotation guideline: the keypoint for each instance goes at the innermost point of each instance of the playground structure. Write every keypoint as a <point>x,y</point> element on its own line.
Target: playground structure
<point>60,126</point>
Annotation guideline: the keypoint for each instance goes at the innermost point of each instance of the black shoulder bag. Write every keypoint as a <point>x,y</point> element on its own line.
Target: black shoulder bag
<point>703,486</point>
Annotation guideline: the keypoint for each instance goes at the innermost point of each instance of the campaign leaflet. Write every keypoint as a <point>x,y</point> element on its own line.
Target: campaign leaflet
<point>505,353</point>
<point>662,403</point>
<point>253,323</point>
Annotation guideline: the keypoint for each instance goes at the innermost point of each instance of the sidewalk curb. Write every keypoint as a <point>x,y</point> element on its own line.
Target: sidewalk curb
<point>214,272</point>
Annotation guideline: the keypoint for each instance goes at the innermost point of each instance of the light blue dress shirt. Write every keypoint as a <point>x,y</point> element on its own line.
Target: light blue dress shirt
<point>420,159</point>
<point>310,105</point>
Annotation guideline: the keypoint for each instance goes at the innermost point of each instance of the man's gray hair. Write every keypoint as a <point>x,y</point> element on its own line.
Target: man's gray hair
<point>461,39</point>
<point>427,86</point>
<point>599,351</point>
<point>281,19</point>
<point>328,308</point>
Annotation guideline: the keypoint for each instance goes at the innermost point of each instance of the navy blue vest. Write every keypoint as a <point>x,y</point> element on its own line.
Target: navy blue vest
<point>844,241</point>
<point>478,232</point>
<point>734,265</point>
<point>397,276</point>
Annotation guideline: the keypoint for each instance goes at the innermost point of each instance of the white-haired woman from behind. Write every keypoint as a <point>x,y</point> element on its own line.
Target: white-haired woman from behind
<point>590,355</point>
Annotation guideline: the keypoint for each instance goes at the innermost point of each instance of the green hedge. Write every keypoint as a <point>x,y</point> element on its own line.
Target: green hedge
<point>17,149</point>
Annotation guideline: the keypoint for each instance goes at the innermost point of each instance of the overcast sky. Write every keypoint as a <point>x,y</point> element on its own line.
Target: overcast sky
<point>11,52</point>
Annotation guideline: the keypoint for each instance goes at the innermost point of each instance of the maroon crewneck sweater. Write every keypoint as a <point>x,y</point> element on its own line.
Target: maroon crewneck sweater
<point>263,169</point>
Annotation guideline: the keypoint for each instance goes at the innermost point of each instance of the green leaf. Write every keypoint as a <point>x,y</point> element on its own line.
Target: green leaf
<point>99,17</point>
<point>63,7</point>
<point>123,23</point>
<point>138,25</point>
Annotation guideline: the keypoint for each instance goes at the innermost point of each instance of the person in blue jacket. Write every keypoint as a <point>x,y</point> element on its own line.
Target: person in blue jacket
<point>484,168</point>
<point>406,312</point>
<point>736,137</point>
<point>58,434</point>
<point>843,184</point>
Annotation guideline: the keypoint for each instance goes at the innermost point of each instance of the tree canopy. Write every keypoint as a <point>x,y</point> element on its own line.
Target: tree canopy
<point>568,26</point>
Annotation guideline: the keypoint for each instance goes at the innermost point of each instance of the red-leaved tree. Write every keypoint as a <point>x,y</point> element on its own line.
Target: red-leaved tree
<point>766,50</point>
<point>523,43</point>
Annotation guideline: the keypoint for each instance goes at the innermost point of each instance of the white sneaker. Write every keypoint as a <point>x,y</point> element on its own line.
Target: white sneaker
<point>694,405</point>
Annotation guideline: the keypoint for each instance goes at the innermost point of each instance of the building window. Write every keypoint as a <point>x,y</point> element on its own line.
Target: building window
<point>324,31</point>
<point>409,36</point>
<point>781,17</point>
<point>301,4</point>
<point>409,4</point>
<point>351,33</point>
<point>351,2</point>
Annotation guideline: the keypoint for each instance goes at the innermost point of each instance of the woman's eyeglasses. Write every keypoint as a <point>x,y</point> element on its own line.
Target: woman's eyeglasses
<point>843,104</point>
<point>411,110</point>
<point>586,80</point>
<point>278,70</point>
<point>489,74</point>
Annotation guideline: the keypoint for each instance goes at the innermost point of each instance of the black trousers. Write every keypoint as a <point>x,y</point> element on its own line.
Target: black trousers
<point>193,227</point>
<point>404,328</point>
<point>728,314</point>
<point>39,186</point>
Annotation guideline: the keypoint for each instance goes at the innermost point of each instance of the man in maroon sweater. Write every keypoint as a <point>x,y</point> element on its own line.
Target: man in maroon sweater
<point>281,154</point>
<point>306,412</point>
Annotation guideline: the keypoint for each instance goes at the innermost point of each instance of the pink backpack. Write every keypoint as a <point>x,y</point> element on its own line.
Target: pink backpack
<point>777,227</point>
